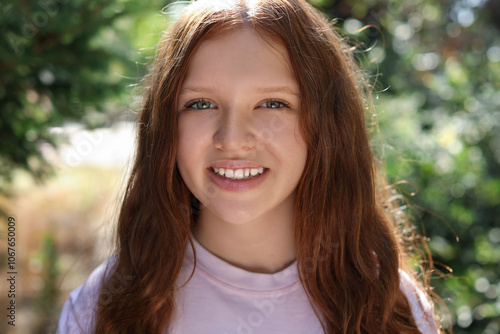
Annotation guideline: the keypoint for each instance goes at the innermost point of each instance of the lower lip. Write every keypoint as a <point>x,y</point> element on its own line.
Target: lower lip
<point>237,185</point>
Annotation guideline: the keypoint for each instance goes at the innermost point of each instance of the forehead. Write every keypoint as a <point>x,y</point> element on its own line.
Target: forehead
<point>242,53</point>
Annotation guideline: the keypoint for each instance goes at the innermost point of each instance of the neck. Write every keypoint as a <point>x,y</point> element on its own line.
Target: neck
<point>264,245</point>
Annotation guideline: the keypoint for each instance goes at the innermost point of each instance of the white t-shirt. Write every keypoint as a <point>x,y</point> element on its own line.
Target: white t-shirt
<point>223,299</point>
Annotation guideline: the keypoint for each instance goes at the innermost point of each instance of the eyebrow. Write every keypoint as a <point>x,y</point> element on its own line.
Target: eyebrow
<point>262,90</point>
<point>280,89</point>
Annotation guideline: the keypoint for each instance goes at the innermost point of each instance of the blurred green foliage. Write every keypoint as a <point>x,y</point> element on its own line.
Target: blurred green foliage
<point>64,61</point>
<point>45,305</point>
<point>435,66</point>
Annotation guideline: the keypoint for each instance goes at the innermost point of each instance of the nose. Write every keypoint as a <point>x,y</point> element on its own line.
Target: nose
<point>234,132</point>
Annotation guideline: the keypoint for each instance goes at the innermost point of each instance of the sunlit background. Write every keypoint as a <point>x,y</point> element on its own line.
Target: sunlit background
<point>70,75</point>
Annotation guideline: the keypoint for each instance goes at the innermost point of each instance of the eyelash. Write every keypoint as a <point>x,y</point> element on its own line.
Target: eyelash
<point>283,103</point>
<point>190,104</point>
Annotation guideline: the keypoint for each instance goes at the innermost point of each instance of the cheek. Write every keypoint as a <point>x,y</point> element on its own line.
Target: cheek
<point>195,134</point>
<point>189,147</point>
<point>183,144</point>
<point>284,136</point>
<point>296,144</point>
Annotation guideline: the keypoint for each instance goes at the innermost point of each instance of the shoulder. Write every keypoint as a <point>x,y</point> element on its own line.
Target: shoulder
<point>78,312</point>
<point>421,307</point>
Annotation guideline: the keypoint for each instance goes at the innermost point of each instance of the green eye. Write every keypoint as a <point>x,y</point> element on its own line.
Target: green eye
<point>274,104</point>
<point>200,104</point>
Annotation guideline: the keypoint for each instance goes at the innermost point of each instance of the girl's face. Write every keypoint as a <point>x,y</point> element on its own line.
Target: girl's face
<point>240,151</point>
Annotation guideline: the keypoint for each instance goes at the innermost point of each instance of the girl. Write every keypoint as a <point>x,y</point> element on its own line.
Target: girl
<point>254,204</point>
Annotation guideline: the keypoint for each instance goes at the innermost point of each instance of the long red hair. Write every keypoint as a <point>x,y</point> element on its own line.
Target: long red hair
<point>348,246</point>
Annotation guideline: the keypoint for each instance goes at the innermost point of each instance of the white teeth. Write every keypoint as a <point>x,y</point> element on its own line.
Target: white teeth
<point>238,174</point>
<point>229,173</point>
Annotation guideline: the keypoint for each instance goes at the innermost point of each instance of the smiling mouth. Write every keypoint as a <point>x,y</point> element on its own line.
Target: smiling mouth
<point>238,174</point>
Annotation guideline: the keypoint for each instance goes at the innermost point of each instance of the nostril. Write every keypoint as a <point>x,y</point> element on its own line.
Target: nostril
<point>234,140</point>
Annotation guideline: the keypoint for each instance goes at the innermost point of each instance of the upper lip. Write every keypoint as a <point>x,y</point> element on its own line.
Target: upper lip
<point>235,164</point>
